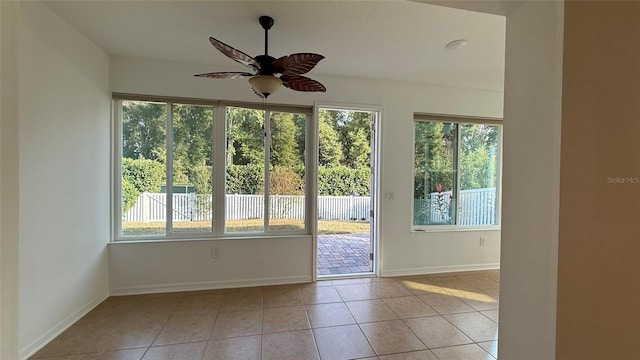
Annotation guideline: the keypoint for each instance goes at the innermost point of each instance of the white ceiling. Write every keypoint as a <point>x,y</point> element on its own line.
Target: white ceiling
<point>396,40</point>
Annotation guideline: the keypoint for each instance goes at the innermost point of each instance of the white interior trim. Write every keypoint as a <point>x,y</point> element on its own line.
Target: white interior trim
<point>209,285</point>
<point>60,327</point>
<point>439,269</point>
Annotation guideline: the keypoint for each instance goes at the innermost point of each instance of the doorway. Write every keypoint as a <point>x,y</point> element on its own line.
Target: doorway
<point>347,178</point>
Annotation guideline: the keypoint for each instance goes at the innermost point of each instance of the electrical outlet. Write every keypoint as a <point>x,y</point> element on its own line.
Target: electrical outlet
<point>215,252</point>
<point>482,241</point>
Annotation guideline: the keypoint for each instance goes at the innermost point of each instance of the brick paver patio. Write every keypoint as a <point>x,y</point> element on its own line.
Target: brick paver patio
<point>344,254</point>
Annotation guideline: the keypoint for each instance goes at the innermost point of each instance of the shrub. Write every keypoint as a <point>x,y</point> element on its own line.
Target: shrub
<point>332,181</point>
<point>244,179</point>
<point>144,174</point>
<point>285,181</point>
<point>129,195</point>
<point>341,181</point>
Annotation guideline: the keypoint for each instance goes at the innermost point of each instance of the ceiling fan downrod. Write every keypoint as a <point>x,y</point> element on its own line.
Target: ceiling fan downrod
<point>266,22</point>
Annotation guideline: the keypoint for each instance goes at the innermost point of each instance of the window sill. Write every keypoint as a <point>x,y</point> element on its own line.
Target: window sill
<point>155,240</point>
<point>437,229</point>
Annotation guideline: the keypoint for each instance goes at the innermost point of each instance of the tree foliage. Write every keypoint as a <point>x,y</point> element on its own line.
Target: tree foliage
<point>343,181</point>
<point>143,130</point>
<point>245,136</point>
<point>129,195</point>
<point>344,149</point>
<point>192,136</point>
<point>435,145</point>
<point>245,179</point>
<point>435,156</point>
<point>330,149</point>
<point>353,130</point>
<point>284,148</point>
<point>144,174</point>
<point>478,156</point>
<point>285,181</point>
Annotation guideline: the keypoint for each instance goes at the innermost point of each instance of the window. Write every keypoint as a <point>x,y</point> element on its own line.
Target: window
<point>168,186</point>
<point>259,200</point>
<point>165,191</point>
<point>456,168</point>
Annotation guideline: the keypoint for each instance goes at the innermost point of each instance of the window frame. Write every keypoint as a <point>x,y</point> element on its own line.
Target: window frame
<point>218,156</point>
<point>459,121</point>
<point>221,179</point>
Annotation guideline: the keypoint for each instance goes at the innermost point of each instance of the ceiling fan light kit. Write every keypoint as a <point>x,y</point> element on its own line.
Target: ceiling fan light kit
<point>263,79</point>
<point>265,84</point>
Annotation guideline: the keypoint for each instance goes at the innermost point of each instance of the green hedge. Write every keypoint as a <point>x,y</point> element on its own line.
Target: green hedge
<point>245,179</point>
<point>129,195</point>
<point>148,175</point>
<point>341,181</point>
<point>144,174</point>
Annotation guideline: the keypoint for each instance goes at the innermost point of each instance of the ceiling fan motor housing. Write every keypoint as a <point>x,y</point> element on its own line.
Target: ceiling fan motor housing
<point>265,62</point>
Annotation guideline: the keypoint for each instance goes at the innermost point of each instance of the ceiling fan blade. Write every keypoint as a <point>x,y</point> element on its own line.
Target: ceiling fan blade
<point>225,75</point>
<point>235,54</point>
<point>302,83</point>
<point>296,64</point>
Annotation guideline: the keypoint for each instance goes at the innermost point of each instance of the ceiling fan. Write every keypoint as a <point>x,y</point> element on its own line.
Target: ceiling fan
<point>264,68</point>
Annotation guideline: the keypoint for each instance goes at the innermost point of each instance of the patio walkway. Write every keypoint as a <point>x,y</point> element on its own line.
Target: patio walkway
<point>343,254</point>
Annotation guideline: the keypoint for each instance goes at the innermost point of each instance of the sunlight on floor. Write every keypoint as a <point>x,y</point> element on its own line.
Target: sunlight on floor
<point>434,289</point>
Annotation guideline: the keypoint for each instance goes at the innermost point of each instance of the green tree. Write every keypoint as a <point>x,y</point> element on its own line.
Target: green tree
<point>143,130</point>
<point>245,136</point>
<point>192,137</point>
<point>435,145</point>
<point>201,179</point>
<point>284,148</point>
<point>330,149</point>
<point>300,121</point>
<point>359,151</point>
<point>354,135</point>
<point>478,156</point>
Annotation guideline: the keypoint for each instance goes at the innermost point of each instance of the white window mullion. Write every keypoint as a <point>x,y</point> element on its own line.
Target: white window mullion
<point>498,214</point>
<point>219,150</point>
<point>458,185</point>
<point>169,169</point>
<point>267,157</point>
<point>311,164</point>
<point>117,170</point>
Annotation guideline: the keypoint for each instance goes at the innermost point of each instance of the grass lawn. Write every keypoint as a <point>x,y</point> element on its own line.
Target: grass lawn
<point>324,226</point>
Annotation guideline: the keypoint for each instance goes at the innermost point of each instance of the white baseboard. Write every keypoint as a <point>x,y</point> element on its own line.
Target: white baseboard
<point>208,285</point>
<point>58,328</point>
<point>438,269</point>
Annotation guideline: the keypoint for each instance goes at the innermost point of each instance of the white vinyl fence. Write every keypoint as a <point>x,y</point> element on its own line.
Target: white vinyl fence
<point>192,207</point>
<point>478,207</point>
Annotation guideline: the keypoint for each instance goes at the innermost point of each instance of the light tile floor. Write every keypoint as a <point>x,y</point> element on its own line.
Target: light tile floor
<point>431,317</point>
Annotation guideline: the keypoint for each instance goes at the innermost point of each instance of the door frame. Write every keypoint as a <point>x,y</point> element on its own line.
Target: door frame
<point>376,157</point>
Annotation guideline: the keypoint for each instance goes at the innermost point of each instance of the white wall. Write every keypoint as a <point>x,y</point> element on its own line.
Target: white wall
<point>187,265</point>
<point>64,155</point>
<point>531,181</point>
<point>8,181</point>
<point>403,252</point>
